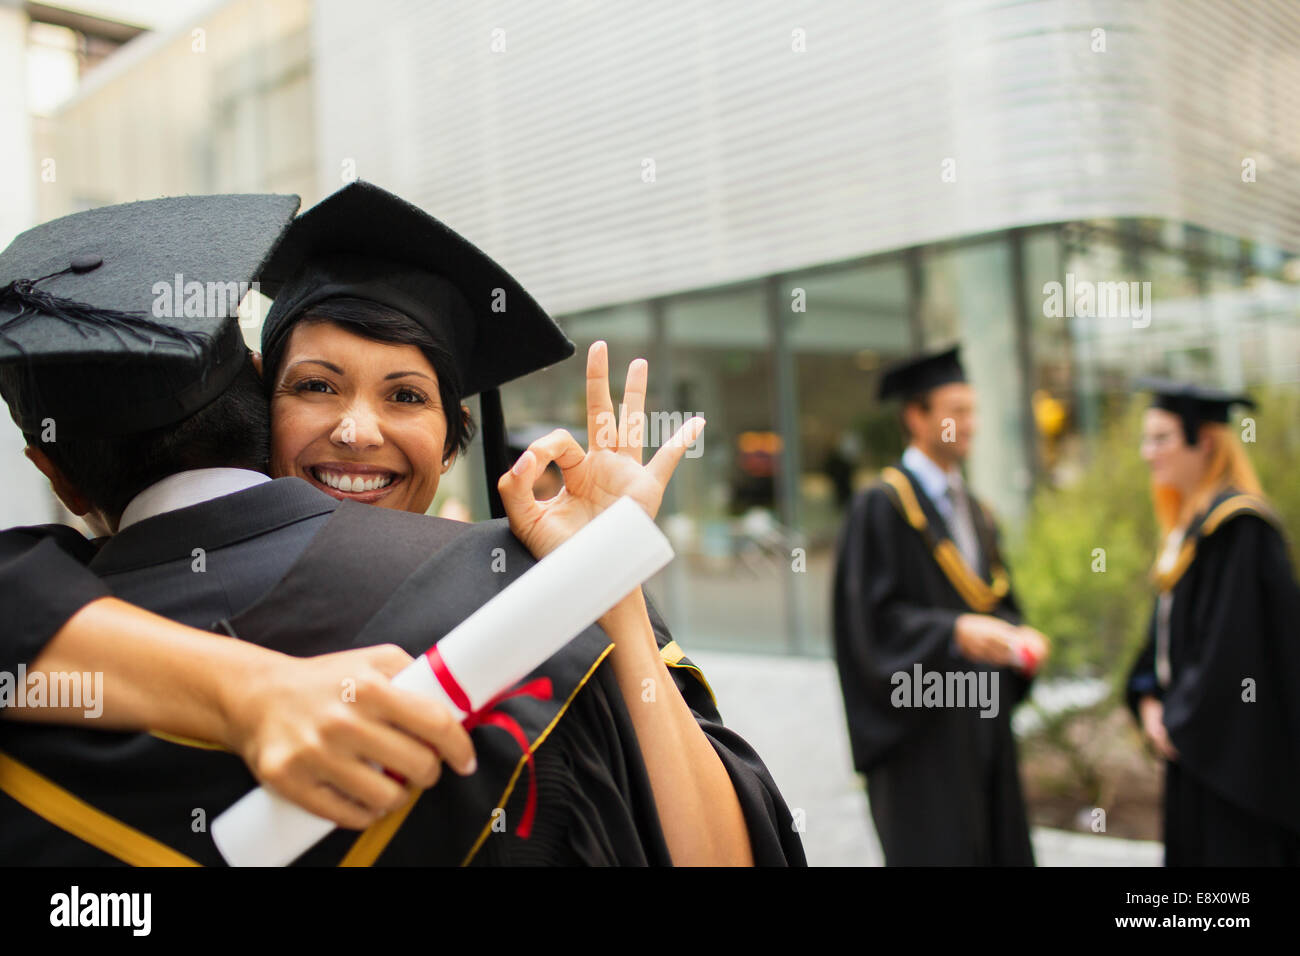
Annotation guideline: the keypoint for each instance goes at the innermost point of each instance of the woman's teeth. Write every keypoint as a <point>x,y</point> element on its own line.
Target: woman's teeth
<point>351,483</point>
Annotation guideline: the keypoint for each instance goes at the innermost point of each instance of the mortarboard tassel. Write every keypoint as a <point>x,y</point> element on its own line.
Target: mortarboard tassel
<point>496,458</point>
<point>31,302</point>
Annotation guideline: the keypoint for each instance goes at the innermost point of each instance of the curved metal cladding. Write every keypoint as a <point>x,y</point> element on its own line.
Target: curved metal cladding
<point>529,126</point>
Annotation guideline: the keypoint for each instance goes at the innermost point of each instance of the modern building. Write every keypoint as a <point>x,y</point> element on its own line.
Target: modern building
<point>769,201</point>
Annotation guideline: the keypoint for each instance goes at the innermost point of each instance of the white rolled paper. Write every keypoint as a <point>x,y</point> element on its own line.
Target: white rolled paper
<point>488,653</point>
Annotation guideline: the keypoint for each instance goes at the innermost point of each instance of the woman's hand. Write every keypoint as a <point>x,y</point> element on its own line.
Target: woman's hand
<point>1152,712</point>
<point>313,729</point>
<point>595,479</point>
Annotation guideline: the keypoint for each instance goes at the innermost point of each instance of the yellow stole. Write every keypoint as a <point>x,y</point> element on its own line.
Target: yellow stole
<point>978,594</point>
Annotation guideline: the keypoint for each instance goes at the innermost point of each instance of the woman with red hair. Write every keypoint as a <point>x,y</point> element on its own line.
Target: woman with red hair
<point>1216,689</point>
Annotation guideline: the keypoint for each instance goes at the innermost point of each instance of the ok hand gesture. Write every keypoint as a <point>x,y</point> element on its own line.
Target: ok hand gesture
<point>609,469</point>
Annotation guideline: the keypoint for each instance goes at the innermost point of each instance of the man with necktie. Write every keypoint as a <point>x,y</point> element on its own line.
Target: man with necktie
<point>931,652</point>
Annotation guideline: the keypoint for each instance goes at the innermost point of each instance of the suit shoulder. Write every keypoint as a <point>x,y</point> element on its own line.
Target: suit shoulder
<point>497,529</point>
<point>493,541</point>
<point>392,524</point>
<point>869,503</point>
<point>990,516</point>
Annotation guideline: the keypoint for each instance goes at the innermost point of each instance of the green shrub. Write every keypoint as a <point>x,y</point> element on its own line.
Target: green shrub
<point>1095,618</point>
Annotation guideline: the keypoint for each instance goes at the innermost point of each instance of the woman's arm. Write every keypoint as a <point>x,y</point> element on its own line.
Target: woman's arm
<point>699,811</point>
<point>285,716</point>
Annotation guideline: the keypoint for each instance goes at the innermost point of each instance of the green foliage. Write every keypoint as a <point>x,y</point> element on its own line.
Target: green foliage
<point>1097,619</point>
<point>1275,453</point>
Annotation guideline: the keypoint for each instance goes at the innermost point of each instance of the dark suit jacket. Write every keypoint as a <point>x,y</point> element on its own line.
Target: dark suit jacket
<point>202,564</point>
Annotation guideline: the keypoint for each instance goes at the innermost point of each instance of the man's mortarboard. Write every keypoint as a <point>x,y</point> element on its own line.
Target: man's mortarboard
<point>918,375</point>
<point>1193,404</point>
<point>363,242</point>
<point>123,319</point>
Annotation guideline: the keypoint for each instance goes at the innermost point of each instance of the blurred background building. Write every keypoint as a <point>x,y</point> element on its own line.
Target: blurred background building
<point>767,200</point>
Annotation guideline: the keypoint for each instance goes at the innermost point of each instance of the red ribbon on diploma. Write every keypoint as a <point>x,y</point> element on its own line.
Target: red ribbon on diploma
<point>487,714</point>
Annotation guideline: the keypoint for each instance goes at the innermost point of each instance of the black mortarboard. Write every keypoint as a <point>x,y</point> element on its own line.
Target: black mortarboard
<point>363,242</point>
<point>124,318</point>
<point>917,375</point>
<point>1193,404</point>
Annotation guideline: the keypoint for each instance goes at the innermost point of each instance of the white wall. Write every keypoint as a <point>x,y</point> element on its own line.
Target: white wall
<point>26,498</point>
<point>769,159</point>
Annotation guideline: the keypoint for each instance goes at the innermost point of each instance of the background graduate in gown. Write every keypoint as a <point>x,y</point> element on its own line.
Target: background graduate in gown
<point>919,582</point>
<point>1216,689</point>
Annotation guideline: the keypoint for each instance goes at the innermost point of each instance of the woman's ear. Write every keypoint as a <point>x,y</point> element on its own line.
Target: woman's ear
<point>257,362</point>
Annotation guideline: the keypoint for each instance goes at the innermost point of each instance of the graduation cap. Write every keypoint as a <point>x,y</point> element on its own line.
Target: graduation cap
<point>123,318</point>
<point>920,374</point>
<point>1193,404</point>
<point>363,242</point>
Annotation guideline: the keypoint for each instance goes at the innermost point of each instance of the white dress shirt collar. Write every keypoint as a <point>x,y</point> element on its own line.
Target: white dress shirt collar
<point>934,480</point>
<point>187,488</point>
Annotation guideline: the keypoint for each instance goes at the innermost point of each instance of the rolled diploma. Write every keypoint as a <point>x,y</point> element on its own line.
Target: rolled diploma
<point>489,652</point>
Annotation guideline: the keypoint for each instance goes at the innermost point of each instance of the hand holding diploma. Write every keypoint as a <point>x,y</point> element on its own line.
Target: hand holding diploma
<point>298,736</point>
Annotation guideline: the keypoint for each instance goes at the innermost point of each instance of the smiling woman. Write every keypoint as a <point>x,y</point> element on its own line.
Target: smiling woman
<point>360,400</point>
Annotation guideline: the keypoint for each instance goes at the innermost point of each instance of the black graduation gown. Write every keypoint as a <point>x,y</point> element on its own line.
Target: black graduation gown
<point>943,782</point>
<point>373,576</point>
<point>1232,797</point>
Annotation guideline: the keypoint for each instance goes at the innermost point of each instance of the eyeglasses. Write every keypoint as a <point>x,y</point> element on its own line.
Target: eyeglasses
<point>1159,440</point>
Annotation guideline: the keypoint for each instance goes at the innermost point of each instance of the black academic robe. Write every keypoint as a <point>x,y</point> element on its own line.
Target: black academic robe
<point>352,576</point>
<point>1232,701</point>
<point>943,782</point>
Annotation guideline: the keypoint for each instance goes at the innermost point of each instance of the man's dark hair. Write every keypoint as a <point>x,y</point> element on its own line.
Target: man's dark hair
<point>917,398</point>
<point>381,323</point>
<point>232,431</point>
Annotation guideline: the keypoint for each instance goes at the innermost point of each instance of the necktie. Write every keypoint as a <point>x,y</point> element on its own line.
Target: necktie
<point>963,525</point>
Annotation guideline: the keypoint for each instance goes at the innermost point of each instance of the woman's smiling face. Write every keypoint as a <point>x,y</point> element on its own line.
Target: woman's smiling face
<point>359,419</point>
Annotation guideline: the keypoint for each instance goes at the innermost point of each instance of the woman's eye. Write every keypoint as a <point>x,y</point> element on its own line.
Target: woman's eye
<point>409,395</point>
<point>312,385</point>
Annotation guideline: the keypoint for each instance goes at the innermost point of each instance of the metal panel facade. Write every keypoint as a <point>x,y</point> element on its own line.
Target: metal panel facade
<point>768,159</point>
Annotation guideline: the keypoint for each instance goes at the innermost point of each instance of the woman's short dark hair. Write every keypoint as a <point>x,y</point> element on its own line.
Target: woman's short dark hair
<point>381,323</point>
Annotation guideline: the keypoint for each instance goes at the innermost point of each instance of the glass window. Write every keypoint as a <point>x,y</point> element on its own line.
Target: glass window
<point>969,296</point>
<point>727,587</point>
<point>854,322</point>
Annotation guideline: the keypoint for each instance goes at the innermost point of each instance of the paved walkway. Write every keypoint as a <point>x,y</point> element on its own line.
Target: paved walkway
<point>790,710</point>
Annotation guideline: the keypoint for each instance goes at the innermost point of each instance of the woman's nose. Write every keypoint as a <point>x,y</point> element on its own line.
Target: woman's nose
<point>358,429</point>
